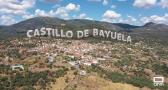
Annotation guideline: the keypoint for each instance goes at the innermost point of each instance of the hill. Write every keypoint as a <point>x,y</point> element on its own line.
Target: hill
<point>150,31</point>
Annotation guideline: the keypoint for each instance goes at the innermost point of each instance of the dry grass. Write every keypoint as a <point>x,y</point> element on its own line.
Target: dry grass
<point>97,83</point>
<point>92,82</point>
<point>60,83</point>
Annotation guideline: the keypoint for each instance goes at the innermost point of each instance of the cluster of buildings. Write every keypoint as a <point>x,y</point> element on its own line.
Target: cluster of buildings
<point>85,52</point>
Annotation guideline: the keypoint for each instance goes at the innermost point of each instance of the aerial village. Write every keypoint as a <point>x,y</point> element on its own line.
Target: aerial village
<point>79,59</point>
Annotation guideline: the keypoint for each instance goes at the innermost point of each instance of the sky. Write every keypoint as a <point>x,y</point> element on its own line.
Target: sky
<point>134,12</point>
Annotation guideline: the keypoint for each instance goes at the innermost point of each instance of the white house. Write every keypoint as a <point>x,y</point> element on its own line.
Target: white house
<point>82,72</point>
<point>87,63</point>
<point>94,62</point>
<point>50,59</point>
<point>101,59</point>
<point>17,66</point>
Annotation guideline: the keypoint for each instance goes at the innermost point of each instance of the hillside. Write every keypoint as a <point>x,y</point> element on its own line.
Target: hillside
<point>148,32</point>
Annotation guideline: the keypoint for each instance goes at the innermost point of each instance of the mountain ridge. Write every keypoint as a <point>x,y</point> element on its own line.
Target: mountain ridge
<point>156,31</point>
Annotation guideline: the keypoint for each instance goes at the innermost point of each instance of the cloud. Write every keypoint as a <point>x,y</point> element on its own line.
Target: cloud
<point>144,3</point>
<point>52,1</point>
<point>83,16</point>
<point>7,20</point>
<point>143,20</point>
<point>95,0</point>
<point>15,6</point>
<point>72,7</point>
<point>39,12</point>
<point>62,12</point>
<point>129,20</point>
<point>156,19</point>
<point>164,3</point>
<point>28,16</point>
<point>122,0</point>
<point>104,2</point>
<point>113,6</point>
<point>56,6</point>
<point>110,16</point>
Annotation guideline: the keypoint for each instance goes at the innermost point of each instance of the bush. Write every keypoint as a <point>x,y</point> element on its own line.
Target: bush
<point>116,77</point>
<point>125,61</point>
<point>160,69</point>
<point>140,82</point>
<point>60,73</point>
<point>29,88</point>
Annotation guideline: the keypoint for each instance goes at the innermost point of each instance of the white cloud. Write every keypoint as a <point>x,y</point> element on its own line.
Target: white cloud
<point>16,6</point>
<point>122,0</point>
<point>62,12</point>
<point>129,20</point>
<point>51,1</point>
<point>156,19</point>
<point>104,2</point>
<point>9,11</point>
<point>95,0</point>
<point>39,12</point>
<point>111,14</point>
<point>144,20</point>
<point>56,6</point>
<point>113,6</point>
<point>7,20</point>
<point>83,16</point>
<point>144,3</point>
<point>72,7</point>
<point>164,3</point>
<point>11,8</point>
<point>132,19</point>
<point>28,16</point>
